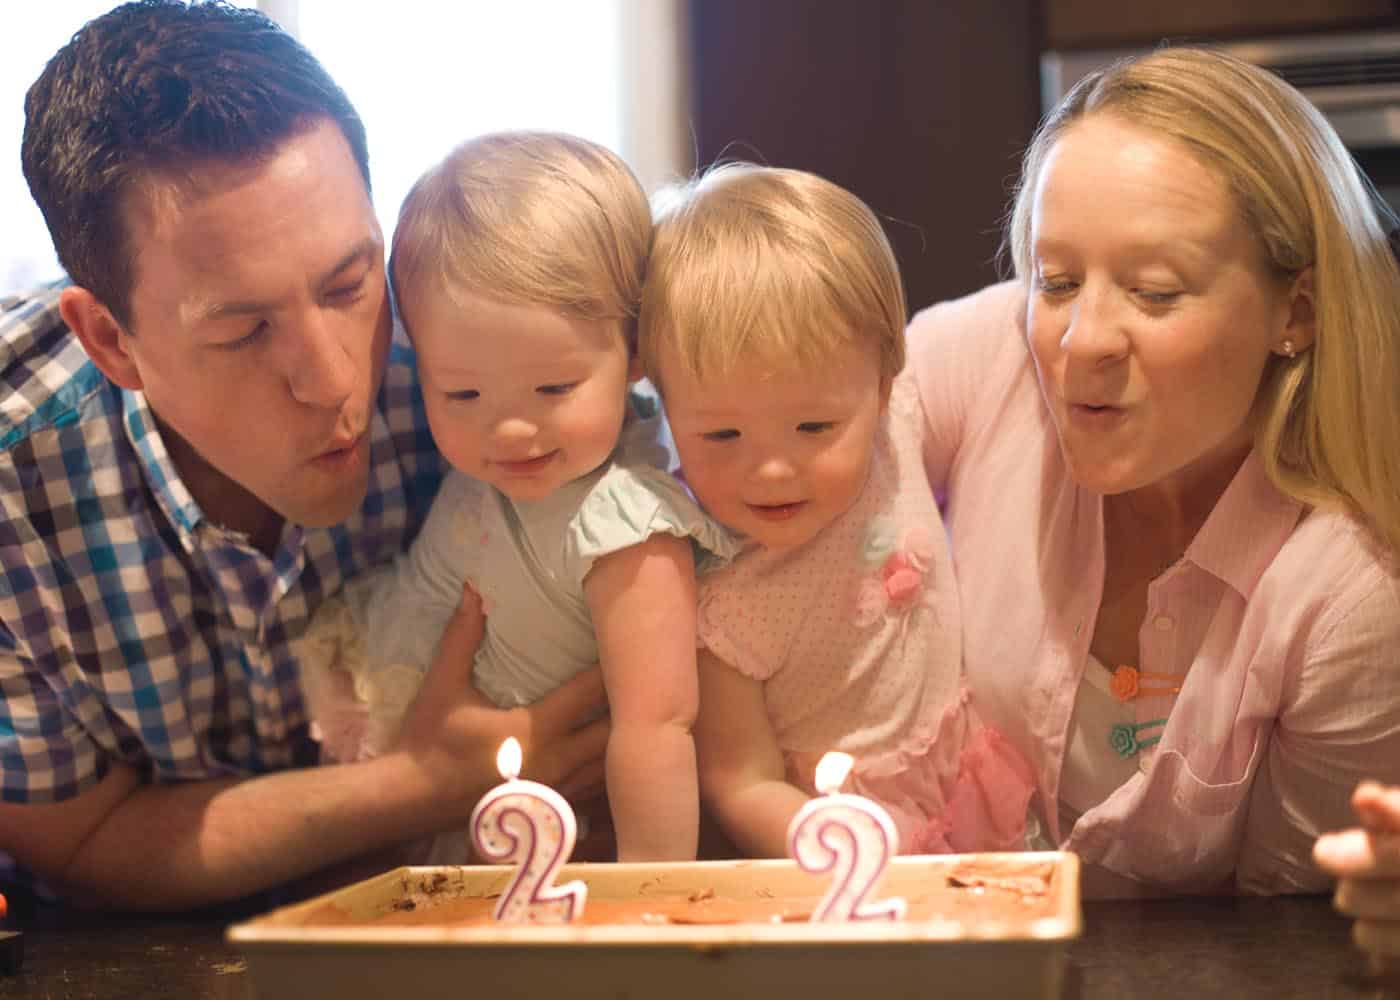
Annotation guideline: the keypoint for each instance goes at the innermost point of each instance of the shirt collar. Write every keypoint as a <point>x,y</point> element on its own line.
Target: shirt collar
<point>157,466</point>
<point>1249,525</point>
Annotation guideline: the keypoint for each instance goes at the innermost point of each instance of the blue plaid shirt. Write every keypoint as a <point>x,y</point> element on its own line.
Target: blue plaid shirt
<point>133,629</point>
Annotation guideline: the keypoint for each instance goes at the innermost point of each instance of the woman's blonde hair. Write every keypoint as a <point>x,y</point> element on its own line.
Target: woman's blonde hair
<point>1328,425</point>
<point>528,218</point>
<point>762,264</point>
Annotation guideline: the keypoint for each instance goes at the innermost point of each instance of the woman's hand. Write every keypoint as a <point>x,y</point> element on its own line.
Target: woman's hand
<point>1366,862</point>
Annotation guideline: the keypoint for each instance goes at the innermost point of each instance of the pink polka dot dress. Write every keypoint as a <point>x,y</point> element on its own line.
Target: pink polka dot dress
<point>856,638</point>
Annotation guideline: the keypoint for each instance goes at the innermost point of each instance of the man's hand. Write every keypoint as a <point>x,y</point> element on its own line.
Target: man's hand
<point>453,733</point>
<point>1366,861</point>
<point>207,841</point>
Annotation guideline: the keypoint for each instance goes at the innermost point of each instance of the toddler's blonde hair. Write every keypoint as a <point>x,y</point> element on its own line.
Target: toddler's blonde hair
<point>527,218</point>
<point>760,264</point>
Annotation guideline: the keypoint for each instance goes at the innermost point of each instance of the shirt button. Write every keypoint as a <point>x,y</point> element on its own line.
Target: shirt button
<point>1162,623</point>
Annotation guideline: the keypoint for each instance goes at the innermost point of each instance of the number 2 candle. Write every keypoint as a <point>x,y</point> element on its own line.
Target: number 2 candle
<point>849,836</point>
<point>530,824</point>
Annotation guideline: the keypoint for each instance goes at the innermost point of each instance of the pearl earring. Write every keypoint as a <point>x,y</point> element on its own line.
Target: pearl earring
<point>1288,349</point>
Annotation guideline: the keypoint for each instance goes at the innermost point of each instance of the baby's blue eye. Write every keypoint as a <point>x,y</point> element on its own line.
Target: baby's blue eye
<point>462,394</point>
<point>728,434</point>
<point>558,389</point>
<point>815,426</point>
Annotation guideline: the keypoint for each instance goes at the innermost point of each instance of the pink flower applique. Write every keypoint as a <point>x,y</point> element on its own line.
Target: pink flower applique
<point>899,580</point>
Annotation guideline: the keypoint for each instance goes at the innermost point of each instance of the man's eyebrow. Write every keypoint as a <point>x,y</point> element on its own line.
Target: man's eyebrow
<point>365,248</point>
<point>219,310</point>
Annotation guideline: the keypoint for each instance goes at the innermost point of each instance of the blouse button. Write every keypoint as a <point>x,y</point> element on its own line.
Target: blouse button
<point>1162,623</point>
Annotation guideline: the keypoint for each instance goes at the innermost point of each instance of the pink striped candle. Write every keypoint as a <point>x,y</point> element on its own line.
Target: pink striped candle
<point>533,826</point>
<point>849,836</point>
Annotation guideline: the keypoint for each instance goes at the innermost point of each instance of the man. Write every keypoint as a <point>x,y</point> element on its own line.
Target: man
<point>201,436</point>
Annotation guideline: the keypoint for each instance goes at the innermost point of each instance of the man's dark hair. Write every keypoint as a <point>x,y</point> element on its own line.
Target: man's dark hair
<point>162,86</point>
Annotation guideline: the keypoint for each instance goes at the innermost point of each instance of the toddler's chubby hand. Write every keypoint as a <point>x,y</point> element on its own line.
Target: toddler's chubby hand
<point>1366,861</point>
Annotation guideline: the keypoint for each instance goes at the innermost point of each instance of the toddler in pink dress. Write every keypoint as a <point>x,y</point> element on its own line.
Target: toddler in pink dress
<point>772,324</point>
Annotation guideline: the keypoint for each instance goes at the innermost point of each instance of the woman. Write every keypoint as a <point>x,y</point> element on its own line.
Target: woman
<point>1170,453</point>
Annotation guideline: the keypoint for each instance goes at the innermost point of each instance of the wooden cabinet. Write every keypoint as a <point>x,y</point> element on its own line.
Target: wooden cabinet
<point>923,107</point>
<point>1072,24</point>
<point>920,107</point>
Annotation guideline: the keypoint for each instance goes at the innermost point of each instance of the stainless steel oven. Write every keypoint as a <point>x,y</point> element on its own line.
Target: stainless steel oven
<point>1354,79</point>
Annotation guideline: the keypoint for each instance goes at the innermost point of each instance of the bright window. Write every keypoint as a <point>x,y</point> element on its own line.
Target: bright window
<point>481,67</point>
<point>424,75</point>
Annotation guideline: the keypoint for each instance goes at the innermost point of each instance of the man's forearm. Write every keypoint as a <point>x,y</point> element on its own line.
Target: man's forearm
<point>181,845</point>
<point>121,843</point>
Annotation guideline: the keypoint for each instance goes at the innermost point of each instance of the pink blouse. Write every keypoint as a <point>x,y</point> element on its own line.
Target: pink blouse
<point>1283,621</point>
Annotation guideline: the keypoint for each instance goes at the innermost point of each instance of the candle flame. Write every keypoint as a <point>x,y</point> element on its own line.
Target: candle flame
<point>508,758</point>
<point>832,770</point>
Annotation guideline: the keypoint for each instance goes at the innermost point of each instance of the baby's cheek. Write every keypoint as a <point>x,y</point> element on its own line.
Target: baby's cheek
<point>713,492</point>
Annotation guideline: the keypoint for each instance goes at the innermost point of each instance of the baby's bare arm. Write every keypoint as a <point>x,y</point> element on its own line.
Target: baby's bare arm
<point>742,775</point>
<point>643,605</point>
